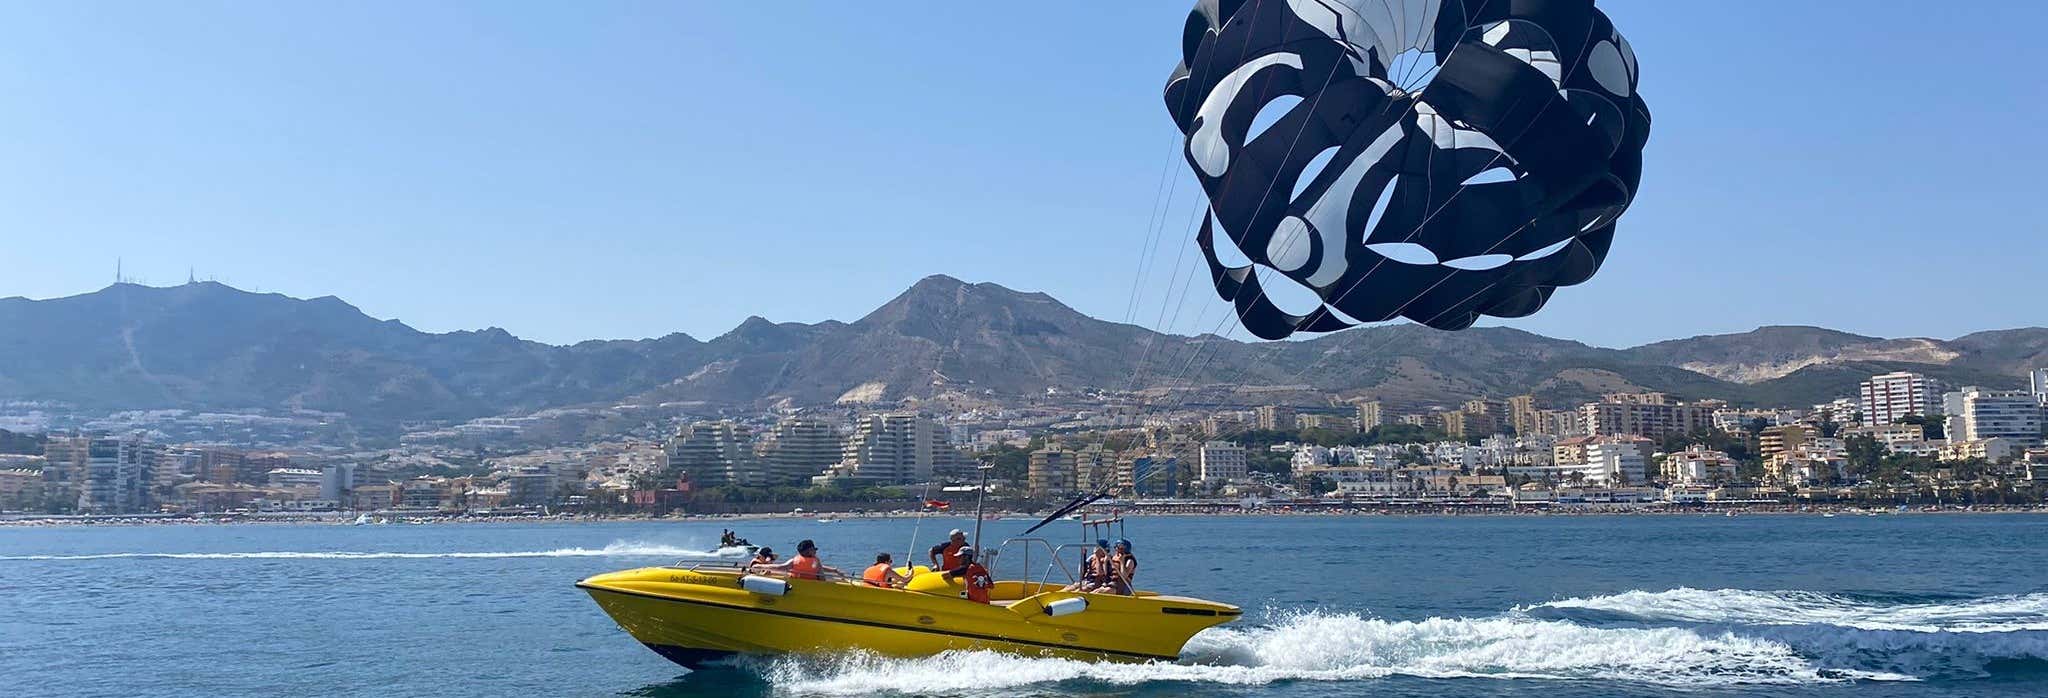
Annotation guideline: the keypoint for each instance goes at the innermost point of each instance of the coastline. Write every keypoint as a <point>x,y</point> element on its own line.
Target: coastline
<point>1574,510</point>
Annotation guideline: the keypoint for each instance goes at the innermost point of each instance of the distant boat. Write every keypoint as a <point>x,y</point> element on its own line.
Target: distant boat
<point>1827,515</point>
<point>828,520</point>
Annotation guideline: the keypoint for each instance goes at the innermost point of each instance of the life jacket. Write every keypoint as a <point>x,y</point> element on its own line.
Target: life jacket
<point>949,558</point>
<point>804,567</point>
<point>977,582</point>
<point>1095,570</point>
<point>877,575</point>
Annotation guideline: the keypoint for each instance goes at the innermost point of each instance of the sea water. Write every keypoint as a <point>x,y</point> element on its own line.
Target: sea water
<point>1786,605</point>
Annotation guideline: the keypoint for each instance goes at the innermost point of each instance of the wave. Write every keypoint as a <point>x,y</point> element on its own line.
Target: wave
<point>615,549</point>
<point>1958,638</point>
<point>1318,646</point>
<point>1991,614</point>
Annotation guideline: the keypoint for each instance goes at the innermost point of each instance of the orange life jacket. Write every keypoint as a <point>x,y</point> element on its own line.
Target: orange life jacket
<point>804,567</point>
<point>877,575</point>
<point>949,559</point>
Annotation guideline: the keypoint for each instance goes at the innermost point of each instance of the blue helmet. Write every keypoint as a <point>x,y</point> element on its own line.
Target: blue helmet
<point>1124,543</point>
<point>1102,543</point>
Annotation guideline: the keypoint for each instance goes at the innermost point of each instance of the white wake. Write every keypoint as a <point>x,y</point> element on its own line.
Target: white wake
<point>1991,614</point>
<point>1341,647</point>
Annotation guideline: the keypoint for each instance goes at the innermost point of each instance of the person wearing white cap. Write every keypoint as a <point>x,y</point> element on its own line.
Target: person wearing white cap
<point>946,555</point>
<point>975,580</point>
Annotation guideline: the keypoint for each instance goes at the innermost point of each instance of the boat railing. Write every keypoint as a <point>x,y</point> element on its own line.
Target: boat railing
<point>712,564</point>
<point>1052,554</point>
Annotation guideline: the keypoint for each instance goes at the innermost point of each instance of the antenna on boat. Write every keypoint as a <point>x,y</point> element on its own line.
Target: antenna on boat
<point>924,501</point>
<point>981,496</point>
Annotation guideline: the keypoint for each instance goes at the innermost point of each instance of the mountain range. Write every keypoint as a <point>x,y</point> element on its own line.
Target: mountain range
<point>209,346</point>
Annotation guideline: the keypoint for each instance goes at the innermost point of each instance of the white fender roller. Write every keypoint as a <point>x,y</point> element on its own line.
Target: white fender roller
<point>764,585</point>
<point>1066,607</point>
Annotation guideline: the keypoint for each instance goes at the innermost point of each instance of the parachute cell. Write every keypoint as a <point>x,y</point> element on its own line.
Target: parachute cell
<point>1502,137</point>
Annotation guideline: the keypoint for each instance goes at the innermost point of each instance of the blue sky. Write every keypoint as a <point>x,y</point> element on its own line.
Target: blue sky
<point>613,170</point>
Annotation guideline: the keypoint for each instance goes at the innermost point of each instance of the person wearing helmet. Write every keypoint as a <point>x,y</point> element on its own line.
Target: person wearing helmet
<point>975,578</point>
<point>946,555</point>
<point>1123,567</point>
<point>764,556</point>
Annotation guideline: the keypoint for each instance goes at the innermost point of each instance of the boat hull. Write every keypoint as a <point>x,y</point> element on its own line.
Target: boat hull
<point>692,616</point>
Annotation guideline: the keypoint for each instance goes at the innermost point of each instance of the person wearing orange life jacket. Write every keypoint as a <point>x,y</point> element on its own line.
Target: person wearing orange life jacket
<point>946,555</point>
<point>975,578</point>
<point>805,565</point>
<point>883,574</point>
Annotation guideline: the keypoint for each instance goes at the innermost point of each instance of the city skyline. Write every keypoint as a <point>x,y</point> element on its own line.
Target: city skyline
<point>576,175</point>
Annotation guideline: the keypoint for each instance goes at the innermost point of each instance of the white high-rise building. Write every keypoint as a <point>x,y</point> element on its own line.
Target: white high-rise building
<point>1890,397</point>
<point>2039,380</point>
<point>794,451</point>
<point>1975,414</point>
<point>899,448</point>
<point>107,475</point>
<point>710,453</point>
<point>338,482</point>
<point>1224,461</point>
<point>1618,460</point>
<point>1371,415</point>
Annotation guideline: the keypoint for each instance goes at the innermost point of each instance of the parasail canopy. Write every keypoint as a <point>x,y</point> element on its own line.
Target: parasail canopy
<point>1438,160</point>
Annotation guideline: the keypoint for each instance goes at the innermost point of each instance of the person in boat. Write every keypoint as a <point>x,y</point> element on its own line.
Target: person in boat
<point>883,574</point>
<point>946,555</point>
<point>1123,567</point>
<point>975,578</point>
<point>725,538</point>
<point>764,556</point>
<point>806,564</point>
<point>1094,572</point>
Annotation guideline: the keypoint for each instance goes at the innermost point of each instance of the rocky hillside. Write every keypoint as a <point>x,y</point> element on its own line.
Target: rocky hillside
<point>206,345</point>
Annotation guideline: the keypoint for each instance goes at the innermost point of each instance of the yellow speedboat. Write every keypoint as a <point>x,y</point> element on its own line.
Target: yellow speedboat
<point>704,612</point>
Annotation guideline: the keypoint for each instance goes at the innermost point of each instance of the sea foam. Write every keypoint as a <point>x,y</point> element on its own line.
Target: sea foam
<point>1980,615</point>
<point>1318,646</point>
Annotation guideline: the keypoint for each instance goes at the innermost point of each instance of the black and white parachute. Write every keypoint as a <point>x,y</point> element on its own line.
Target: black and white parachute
<point>1438,160</point>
